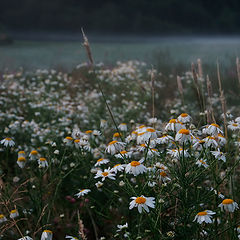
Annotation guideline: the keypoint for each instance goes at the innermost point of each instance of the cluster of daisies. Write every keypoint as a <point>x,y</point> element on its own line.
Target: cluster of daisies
<point>136,151</point>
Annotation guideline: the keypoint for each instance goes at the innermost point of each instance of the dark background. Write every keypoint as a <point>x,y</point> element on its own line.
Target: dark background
<point>123,16</point>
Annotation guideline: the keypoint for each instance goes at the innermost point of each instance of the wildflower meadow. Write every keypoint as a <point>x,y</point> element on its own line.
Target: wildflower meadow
<point>120,152</point>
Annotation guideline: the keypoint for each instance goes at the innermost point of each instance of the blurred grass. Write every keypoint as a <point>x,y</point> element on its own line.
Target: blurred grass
<point>162,52</point>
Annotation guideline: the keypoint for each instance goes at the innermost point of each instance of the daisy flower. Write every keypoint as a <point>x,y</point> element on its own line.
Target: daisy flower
<point>219,155</point>
<point>115,147</point>
<point>117,136</point>
<point>228,205</point>
<point>14,213</point>
<point>103,123</point>
<point>135,167</point>
<point>183,136</point>
<point>221,139</point>
<point>122,127</point>
<point>46,235</point>
<point>153,152</point>
<point>42,162</point>
<point>121,227</point>
<point>210,142</point>
<point>82,192</point>
<point>163,177</point>
<point>33,155</point>
<point>214,129</point>
<point>164,139</point>
<point>101,161</point>
<point>202,162</point>
<point>25,238</point>
<point>118,168</point>
<point>21,162</point>
<point>174,125</point>
<point>7,142</point>
<point>77,143</point>
<point>205,216</point>
<point>233,126</point>
<point>107,173</point>
<point>71,237</point>
<point>68,141</point>
<point>184,118</point>
<point>21,154</point>
<point>237,119</point>
<point>123,154</point>
<point>2,218</point>
<point>142,203</point>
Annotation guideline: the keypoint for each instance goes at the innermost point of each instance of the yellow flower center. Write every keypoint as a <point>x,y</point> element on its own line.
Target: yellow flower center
<point>184,115</point>
<point>14,211</point>
<point>1,216</point>
<point>88,131</point>
<point>77,140</point>
<point>112,142</point>
<point>142,126</point>
<point>184,131</point>
<point>227,201</point>
<point>8,139</point>
<point>163,174</point>
<point>143,145</point>
<point>202,213</point>
<point>100,159</point>
<point>140,134</point>
<point>117,134</point>
<point>105,174</point>
<point>123,152</point>
<point>154,149</point>
<point>135,163</point>
<point>140,200</point>
<point>201,161</point>
<point>69,138</point>
<point>220,135</point>
<point>123,124</point>
<point>215,125</point>
<point>150,130</point>
<point>210,137</point>
<point>21,152</point>
<point>234,124</point>
<point>117,165</point>
<point>48,231</point>
<point>82,190</point>
<point>173,121</point>
<point>42,159</point>
<point>34,152</point>
<point>134,132</point>
<point>21,159</point>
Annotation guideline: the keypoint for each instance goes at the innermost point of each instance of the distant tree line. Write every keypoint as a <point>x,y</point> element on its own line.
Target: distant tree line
<point>129,16</point>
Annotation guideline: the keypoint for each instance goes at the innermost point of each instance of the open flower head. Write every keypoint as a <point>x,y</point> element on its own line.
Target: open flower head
<point>7,142</point>
<point>107,173</point>
<point>47,235</point>
<point>82,192</point>
<point>142,202</point>
<point>228,205</point>
<point>205,216</point>
<point>135,167</point>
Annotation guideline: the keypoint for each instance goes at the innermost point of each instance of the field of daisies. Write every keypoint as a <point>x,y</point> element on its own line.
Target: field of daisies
<point>119,152</point>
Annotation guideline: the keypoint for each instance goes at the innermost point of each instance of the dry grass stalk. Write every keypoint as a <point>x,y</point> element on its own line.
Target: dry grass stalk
<point>153,92</point>
<point>200,72</point>
<point>238,69</point>
<point>195,78</point>
<point>222,100</point>
<point>210,95</point>
<point>87,47</point>
<point>81,227</point>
